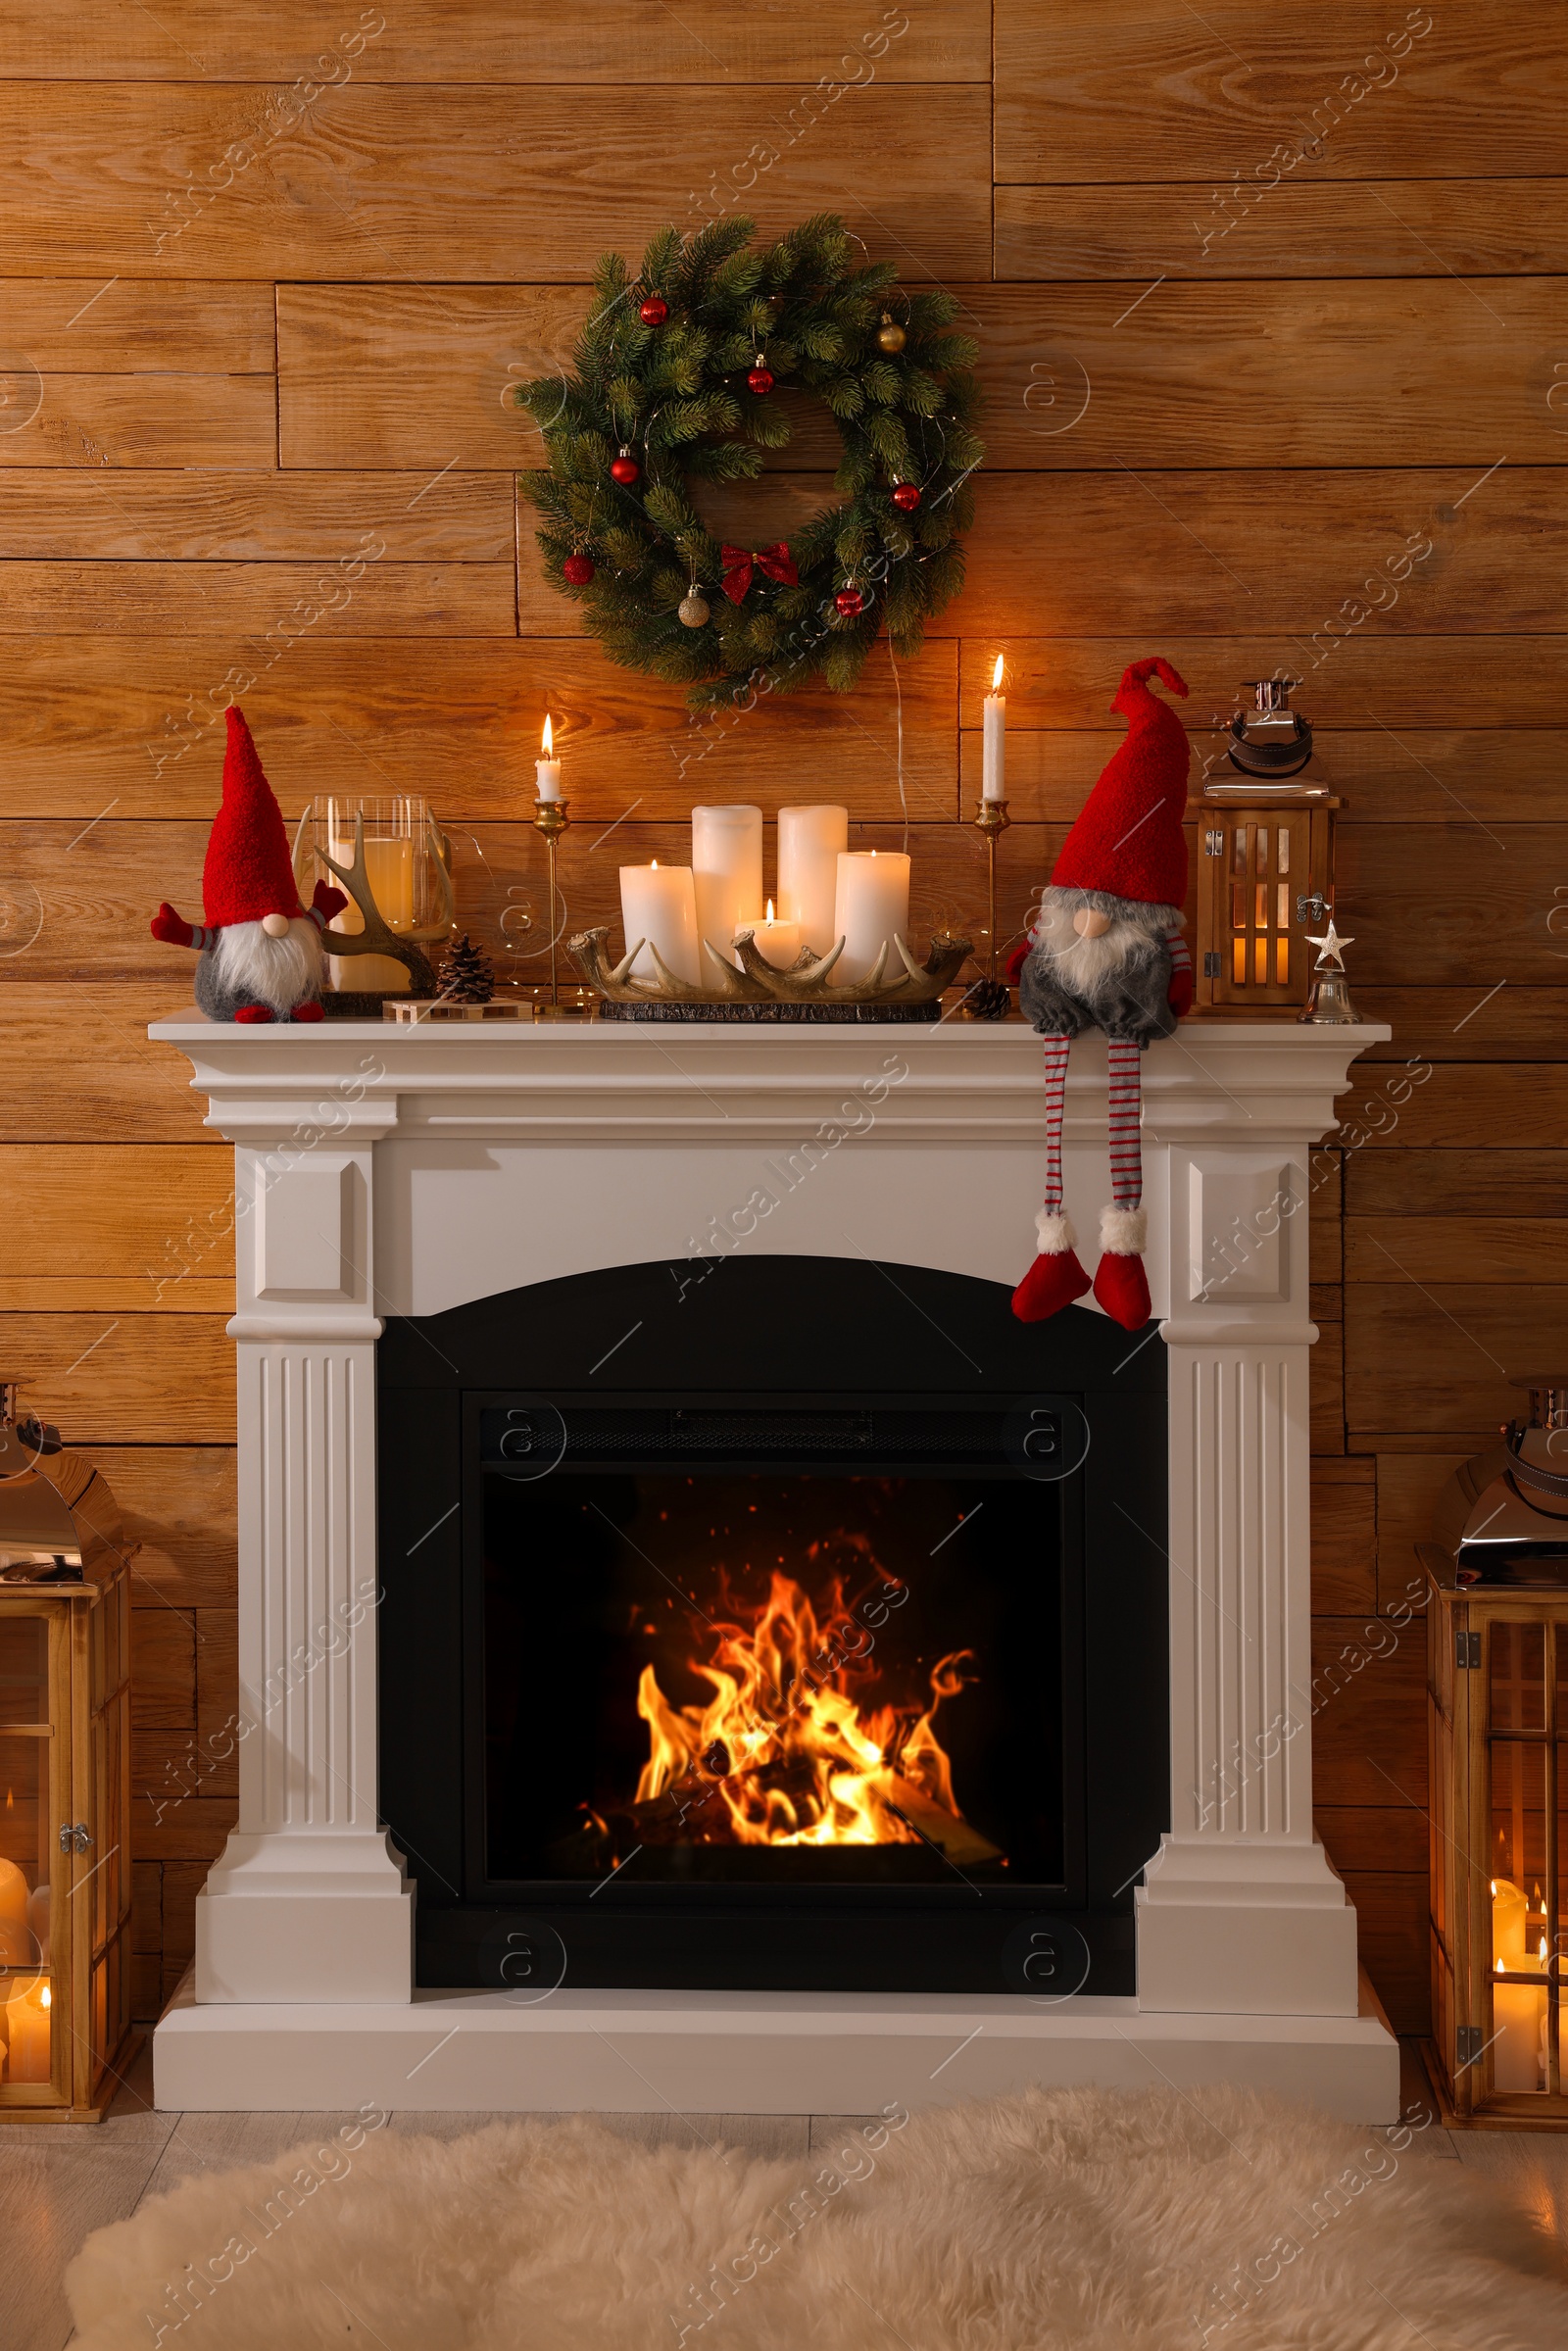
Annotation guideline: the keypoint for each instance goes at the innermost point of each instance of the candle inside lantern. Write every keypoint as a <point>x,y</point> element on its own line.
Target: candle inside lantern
<point>547,768</point>
<point>778,942</point>
<point>727,872</point>
<point>810,842</point>
<point>1519,2030</point>
<point>15,1936</point>
<point>26,2030</point>
<point>389,868</point>
<point>871,903</point>
<point>658,903</point>
<point>993,766</point>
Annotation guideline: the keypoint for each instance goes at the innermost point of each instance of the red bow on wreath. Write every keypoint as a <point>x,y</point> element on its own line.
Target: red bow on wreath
<point>776,561</point>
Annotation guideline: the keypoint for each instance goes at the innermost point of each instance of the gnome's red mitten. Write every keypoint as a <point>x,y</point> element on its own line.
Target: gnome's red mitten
<point>1020,956</point>
<point>1055,1278</point>
<point>173,928</point>
<point>325,902</point>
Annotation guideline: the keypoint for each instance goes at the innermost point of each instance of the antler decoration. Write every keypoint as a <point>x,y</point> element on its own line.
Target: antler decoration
<point>805,982</point>
<point>377,938</point>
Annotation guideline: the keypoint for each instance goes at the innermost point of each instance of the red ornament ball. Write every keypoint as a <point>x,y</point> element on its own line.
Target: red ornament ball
<point>655,311</point>
<point>849,601</point>
<point>626,471</point>
<point>759,381</point>
<point>578,569</point>
<point>906,496</point>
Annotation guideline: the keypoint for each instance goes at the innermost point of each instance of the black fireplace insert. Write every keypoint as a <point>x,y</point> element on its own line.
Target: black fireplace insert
<point>800,1629</point>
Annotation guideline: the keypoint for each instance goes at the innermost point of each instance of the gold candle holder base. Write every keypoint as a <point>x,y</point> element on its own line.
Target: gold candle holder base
<point>989,999</point>
<point>551,821</point>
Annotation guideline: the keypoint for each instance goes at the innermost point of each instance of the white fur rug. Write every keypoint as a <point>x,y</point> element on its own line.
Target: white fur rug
<point>1075,2219</point>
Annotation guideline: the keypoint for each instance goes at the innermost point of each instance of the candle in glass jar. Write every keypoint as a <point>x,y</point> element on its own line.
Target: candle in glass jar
<point>657,904</point>
<point>994,768</point>
<point>1518,2025</point>
<point>27,2028</point>
<point>727,872</point>
<point>871,903</point>
<point>810,842</point>
<point>778,942</point>
<point>547,768</point>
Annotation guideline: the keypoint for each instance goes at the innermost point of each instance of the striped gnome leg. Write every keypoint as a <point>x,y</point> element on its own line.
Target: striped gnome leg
<point>1055,1277</point>
<point>1121,1286</point>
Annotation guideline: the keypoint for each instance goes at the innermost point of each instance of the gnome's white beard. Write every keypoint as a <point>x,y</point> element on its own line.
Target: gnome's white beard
<point>1084,964</point>
<point>282,972</point>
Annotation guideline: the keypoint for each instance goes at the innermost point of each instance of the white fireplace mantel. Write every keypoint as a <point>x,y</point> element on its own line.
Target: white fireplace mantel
<point>388,1170</point>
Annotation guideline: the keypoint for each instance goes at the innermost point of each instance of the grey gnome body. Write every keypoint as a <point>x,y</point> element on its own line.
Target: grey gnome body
<point>1119,979</point>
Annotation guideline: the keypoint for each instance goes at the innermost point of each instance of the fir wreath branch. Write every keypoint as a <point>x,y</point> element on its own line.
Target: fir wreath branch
<point>671,394</point>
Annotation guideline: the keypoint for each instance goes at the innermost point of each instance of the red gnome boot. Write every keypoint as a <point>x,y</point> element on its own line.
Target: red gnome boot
<point>1055,1277</point>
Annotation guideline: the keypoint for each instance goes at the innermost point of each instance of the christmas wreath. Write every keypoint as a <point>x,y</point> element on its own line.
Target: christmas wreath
<point>673,375</point>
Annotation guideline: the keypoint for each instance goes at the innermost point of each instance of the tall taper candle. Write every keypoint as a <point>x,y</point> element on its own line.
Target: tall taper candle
<point>547,768</point>
<point>809,843</point>
<point>994,768</point>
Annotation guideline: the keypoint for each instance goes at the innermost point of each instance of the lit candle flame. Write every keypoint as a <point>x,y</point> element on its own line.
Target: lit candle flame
<point>1499,1967</point>
<point>769,910</point>
<point>655,864</point>
<point>996,676</point>
<point>547,740</point>
<point>44,1997</point>
<point>1542,1952</point>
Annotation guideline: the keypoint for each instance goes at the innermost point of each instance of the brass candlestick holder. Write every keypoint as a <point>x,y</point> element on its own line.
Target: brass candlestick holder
<point>989,999</point>
<point>551,820</point>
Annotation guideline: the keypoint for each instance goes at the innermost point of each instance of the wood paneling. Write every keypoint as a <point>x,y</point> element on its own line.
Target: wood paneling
<point>134,727</point>
<point>262,607</point>
<point>1149,92</point>
<point>1305,228</point>
<point>136,1228</point>
<point>215,515</point>
<point>383,182</point>
<point>1391,1916</point>
<point>1443,1356</point>
<point>138,325</point>
<point>128,1379</point>
<point>1518,1108</point>
<point>177,1504</point>
<point>121,1086</point>
<point>1458,1249</point>
<point>1410,682</point>
<point>1448,1183</point>
<point>162,1656</point>
<point>1509,1023</point>
<point>1408,1487</point>
<point>1369,1712</point>
<point>114,422</point>
<point>1290,373</point>
<point>1488,779</point>
<point>472,41</point>
<point>1343,1537</point>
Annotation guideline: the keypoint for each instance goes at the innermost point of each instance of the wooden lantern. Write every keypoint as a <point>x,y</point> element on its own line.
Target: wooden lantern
<point>1498,1684</point>
<point>1265,879</point>
<point>65,1845</point>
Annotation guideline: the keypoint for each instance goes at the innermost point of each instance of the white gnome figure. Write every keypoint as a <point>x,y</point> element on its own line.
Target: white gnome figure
<point>1106,953</point>
<point>261,955</point>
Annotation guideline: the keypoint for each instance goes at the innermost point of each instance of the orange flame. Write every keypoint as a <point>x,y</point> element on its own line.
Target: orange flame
<point>784,1745</point>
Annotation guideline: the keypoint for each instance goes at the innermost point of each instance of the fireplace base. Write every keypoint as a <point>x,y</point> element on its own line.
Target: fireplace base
<point>704,2053</point>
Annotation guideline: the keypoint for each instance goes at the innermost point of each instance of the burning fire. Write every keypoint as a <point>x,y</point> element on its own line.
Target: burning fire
<point>782,1753</point>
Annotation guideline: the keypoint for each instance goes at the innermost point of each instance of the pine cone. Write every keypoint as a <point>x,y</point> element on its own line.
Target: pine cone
<point>988,1000</point>
<point>466,977</point>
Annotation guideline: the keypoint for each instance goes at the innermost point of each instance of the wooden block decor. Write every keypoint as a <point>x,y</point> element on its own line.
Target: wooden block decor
<point>1270,337</point>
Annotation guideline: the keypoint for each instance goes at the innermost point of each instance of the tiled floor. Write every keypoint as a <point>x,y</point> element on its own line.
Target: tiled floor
<point>58,2183</point>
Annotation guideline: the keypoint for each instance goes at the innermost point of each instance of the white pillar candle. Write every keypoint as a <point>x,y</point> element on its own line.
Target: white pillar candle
<point>872,903</point>
<point>547,770</point>
<point>1518,2016</point>
<point>993,766</point>
<point>26,2030</point>
<point>15,1936</point>
<point>810,842</point>
<point>658,905</point>
<point>777,942</point>
<point>726,870</point>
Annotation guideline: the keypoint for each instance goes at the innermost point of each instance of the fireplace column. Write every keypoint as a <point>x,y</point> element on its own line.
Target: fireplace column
<point>308,1900</point>
<point>1241,1910</point>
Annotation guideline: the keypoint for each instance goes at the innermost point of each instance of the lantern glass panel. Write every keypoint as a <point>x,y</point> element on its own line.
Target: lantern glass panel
<point>1518,1677</point>
<point>26,1991</point>
<point>24,1669</point>
<point>1285,857</point>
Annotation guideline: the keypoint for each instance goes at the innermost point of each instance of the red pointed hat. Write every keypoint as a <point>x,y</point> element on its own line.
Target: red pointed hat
<point>249,872</point>
<point>1128,839</point>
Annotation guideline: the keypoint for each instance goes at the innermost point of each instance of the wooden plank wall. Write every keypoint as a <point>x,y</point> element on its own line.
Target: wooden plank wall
<point>1267,297</point>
